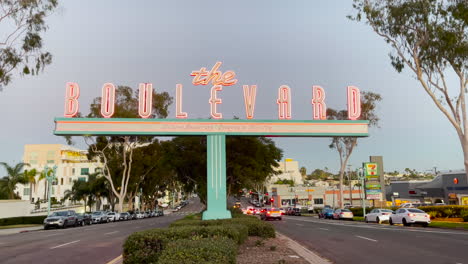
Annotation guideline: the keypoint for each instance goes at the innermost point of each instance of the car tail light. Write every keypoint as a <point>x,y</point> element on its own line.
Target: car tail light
<point>268,212</point>
<point>341,213</point>
<point>411,214</point>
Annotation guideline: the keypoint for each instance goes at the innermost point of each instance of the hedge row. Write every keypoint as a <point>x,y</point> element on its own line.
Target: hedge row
<point>204,250</point>
<point>147,246</point>
<point>22,220</point>
<point>254,226</point>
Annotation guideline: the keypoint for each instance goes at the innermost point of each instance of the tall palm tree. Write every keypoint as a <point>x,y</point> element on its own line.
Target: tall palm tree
<point>15,176</point>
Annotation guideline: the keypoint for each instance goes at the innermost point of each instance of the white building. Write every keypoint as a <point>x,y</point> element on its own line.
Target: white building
<point>72,164</point>
<point>290,171</point>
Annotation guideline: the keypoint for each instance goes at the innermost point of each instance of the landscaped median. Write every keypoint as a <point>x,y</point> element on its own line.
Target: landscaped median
<point>191,240</point>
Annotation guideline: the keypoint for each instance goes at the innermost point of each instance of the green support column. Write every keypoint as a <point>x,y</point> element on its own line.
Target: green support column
<point>216,178</point>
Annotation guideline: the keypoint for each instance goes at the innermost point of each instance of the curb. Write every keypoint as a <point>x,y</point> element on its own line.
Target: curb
<point>117,260</point>
<point>308,255</point>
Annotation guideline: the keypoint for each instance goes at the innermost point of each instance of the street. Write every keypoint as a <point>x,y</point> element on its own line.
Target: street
<point>357,242</point>
<point>99,243</point>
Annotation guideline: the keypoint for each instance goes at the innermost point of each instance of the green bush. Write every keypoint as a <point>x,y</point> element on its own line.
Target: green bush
<point>22,220</point>
<point>255,226</point>
<point>449,211</point>
<point>433,214</point>
<point>357,211</point>
<point>146,246</point>
<point>464,215</point>
<point>204,250</point>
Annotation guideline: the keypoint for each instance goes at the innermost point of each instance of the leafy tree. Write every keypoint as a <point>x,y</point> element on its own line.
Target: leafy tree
<point>116,152</point>
<point>319,174</point>
<point>30,176</point>
<point>285,181</point>
<point>22,23</point>
<point>346,145</point>
<point>15,176</point>
<point>430,38</point>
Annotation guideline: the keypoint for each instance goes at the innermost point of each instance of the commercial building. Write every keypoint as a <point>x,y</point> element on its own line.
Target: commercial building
<point>72,165</point>
<point>289,169</point>
<point>449,188</point>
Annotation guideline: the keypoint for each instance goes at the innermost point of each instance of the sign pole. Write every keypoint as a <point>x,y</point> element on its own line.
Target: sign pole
<point>50,177</point>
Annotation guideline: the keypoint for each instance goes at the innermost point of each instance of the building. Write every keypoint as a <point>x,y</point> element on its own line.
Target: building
<point>449,188</point>
<point>72,164</point>
<point>289,169</point>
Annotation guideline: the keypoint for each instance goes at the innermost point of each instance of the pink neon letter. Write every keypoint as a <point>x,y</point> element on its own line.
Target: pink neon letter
<point>249,100</point>
<point>179,113</point>
<point>354,103</point>
<point>108,100</point>
<point>284,102</point>
<point>72,92</point>
<point>318,104</point>
<point>145,100</point>
<point>214,101</point>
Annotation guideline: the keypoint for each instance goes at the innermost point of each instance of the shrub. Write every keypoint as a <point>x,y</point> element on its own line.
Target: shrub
<point>255,226</point>
<point>449,211</point>
<point>433,214</point>
<point>205,250</point>
<point>146,246</point>
<point>464,215</point>
<point>22,220</point>
<point>357,211</point>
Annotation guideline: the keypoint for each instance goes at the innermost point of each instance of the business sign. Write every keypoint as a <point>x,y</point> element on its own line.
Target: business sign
<point>372,186</point>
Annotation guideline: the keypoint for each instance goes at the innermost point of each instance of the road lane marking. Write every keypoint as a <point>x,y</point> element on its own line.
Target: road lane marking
<point>52,235</point>
<point>116,260</point>
<point>324,228</point>
<point>370,239</point>
<point>65,244</point>
<point>111,233</point>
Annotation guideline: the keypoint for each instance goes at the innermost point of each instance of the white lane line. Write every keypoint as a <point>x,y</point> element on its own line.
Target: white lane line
<point>299,224</point>
<point>65,244</point>
<point>52,235</point>
<point>323,228</point>
<point>111,233</point>
<point>370,239</point>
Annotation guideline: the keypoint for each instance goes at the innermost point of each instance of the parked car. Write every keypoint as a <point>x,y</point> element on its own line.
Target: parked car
<point>343,214</point>
<point>293,211</point>
<point>409,205</point>
<point>113,216</point>
<point>140,215</point>
<point>99,217</point>
<point>84,219</point>
<point>61,219</point>
<point>326,213</point>
<point>124,216</point>
<point>409,216</point>
<point>271,213</point>
<point>378,215</point>
<point>160,212</point>
<point>283,211</point>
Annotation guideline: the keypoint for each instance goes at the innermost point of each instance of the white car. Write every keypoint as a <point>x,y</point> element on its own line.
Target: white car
<point>409,205</point>
<point>140,215</point>
<point>378,215</point>
<point>112,216</point>
<point>409,216</point>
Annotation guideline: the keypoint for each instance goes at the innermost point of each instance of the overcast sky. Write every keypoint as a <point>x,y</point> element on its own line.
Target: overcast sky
<point>268,43</point>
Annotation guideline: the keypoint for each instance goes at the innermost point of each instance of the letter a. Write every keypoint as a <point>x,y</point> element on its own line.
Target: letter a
<point>284,102</point>
<point>318,104</point>
<point>250,93</point>
<point>108,100</point>
<point>354,103</point>
<point>145,100</point>
<point>72,94</point>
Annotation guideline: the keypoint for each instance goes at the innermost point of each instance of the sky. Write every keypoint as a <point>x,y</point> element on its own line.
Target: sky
<point>267,43</point>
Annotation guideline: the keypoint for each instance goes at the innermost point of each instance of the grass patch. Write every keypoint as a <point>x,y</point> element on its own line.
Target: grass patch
<point>358,218</point>
<point>17,226</point>
<point>449,225</point>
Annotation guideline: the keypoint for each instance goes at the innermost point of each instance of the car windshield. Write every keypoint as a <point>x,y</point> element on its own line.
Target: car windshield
<point>59,214</point>
<point>386,211</point>
<point>416,211</point>
<point>345,210</point>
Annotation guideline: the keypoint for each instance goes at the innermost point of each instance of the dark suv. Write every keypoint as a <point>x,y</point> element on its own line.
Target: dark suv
<point>293,211</point>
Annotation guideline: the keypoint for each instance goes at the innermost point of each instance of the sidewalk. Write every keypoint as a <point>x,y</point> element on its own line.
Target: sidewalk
<point>10,231</point>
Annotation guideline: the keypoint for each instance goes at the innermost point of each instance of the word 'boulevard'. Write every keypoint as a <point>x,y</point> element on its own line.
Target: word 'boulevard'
<point>218,80</point>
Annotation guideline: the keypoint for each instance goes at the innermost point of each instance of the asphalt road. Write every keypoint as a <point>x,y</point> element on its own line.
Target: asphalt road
<point>357,242</point>
<point>99,243</point>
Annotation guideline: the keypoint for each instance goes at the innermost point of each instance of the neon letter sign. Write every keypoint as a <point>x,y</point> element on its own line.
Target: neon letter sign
<point>145,100</point>
<point>72,93</point>
<point>108,100</point>
<point>354,103</point>
<point>249,100</point>
<point>214,101</point>
<point>284,102</point>
<point>318,104</point>
<point>179,113</point>
<point>216,77</point>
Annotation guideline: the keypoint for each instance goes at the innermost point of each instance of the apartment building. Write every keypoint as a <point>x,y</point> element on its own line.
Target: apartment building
<point>72,164</point>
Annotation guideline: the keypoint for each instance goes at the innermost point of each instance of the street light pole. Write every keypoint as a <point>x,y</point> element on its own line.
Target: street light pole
<point>360,173</point>
<point>50,177</point>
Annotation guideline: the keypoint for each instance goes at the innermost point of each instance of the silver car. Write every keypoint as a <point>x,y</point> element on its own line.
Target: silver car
<point>61,219</point>
<point>100,217</point>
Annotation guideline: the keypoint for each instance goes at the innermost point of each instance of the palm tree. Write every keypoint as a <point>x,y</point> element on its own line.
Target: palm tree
<point>15,176</point>
<point>30,176</point>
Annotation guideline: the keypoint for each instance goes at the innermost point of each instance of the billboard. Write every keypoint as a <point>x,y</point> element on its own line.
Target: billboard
<point>372,186</point>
